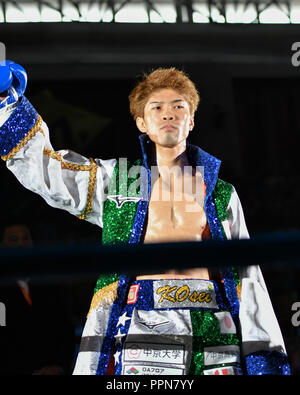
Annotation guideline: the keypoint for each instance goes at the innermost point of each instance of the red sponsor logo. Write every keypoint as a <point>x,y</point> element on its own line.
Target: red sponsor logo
<point>133,293</point>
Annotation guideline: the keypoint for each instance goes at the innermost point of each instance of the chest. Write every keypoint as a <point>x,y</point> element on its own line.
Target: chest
<point>176,209</point>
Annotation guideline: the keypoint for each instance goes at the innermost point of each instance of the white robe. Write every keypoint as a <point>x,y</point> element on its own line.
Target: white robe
<point>39,168</point>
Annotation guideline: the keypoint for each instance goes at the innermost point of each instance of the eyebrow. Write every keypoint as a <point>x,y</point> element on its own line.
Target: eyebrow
<point>173,101</point>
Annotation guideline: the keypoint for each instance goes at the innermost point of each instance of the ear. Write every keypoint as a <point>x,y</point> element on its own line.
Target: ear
<point>140,123</point>
<point>192,123</point>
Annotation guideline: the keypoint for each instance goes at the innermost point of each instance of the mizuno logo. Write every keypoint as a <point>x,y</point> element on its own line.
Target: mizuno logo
<point>120,200</point>
<point>153,326</point>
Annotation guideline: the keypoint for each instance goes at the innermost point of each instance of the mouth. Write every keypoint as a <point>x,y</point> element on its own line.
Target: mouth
<point>168,127</point>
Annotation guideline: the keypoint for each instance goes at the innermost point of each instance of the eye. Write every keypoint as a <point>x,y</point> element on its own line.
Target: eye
<point>156,108</point>
<point>179,106</point>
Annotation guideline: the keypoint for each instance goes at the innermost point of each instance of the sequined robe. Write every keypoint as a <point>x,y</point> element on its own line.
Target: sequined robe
<point>82,186</point>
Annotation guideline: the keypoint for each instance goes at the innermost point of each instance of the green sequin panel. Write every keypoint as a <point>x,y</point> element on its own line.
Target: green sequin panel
<point>104,280</point>
<point>118,221</point>
<point>222,194</point>
<point>236,276</point>
<point>206,333</point>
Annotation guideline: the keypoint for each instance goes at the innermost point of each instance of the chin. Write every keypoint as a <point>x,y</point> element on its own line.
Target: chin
<point>169,141</point>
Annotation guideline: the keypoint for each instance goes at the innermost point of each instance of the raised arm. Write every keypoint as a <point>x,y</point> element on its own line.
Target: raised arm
<point>65,180</point>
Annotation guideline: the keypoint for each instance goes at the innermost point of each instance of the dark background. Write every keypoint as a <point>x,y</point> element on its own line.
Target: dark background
<point>80,76</point>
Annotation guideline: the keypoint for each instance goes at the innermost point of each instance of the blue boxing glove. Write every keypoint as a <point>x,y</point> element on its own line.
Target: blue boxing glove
<point>13,82</point>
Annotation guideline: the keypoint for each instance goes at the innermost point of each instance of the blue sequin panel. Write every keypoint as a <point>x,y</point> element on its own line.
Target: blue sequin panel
<point>212,219</point>
<point>267,363</point>
<point>231,293</point>
<point>142,208</point>
<point>108,341</point>
<point>17,126</point>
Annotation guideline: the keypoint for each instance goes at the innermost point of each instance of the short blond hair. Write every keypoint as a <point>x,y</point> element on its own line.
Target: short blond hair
<point>162,78</point>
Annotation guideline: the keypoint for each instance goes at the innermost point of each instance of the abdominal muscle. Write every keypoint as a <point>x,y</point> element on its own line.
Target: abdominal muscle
<point>176,221</point>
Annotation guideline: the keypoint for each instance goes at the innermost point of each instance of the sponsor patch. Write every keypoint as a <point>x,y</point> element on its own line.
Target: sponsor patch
<point>133,293</point>
<point>225,371</point>
<point>120,200</point>
<point>160,322</point>
<point>159,337</point>
<point>133,370</point>
<point>171,354</point>
<point>151,326</point>
<point>227,325</point>
<point>221,354</point>
<point>184,293</point>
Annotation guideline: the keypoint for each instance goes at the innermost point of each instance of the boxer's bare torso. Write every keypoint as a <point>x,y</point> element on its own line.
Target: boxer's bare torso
<point>167,121</point>
<point>177,215</point>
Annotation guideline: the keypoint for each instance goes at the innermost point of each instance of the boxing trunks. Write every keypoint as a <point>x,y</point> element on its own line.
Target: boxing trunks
<point>174,327</point>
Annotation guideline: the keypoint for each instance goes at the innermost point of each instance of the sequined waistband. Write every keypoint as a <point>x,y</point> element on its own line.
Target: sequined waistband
<point>175,293</point>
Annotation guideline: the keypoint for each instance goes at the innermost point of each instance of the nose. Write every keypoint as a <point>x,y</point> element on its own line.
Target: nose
<point>168,115</point>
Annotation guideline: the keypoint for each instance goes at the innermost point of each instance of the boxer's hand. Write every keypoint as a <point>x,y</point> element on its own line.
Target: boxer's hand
<point>13,82</point>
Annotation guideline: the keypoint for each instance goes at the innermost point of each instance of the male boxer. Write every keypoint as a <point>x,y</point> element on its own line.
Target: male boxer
<point>186,321</point>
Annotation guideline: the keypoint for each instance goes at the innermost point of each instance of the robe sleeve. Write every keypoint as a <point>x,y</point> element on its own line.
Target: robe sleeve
<point>64,179</point>
<point>263,347</point>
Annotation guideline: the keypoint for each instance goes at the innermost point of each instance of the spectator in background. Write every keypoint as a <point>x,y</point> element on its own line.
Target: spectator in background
<point>16,236</point>
<point>38,338</point>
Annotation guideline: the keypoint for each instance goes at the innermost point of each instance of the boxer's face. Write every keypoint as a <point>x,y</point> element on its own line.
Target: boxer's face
<point>167,119</point>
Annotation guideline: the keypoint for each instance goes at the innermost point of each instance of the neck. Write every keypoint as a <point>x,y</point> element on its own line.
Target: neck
<point>170,156</point>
